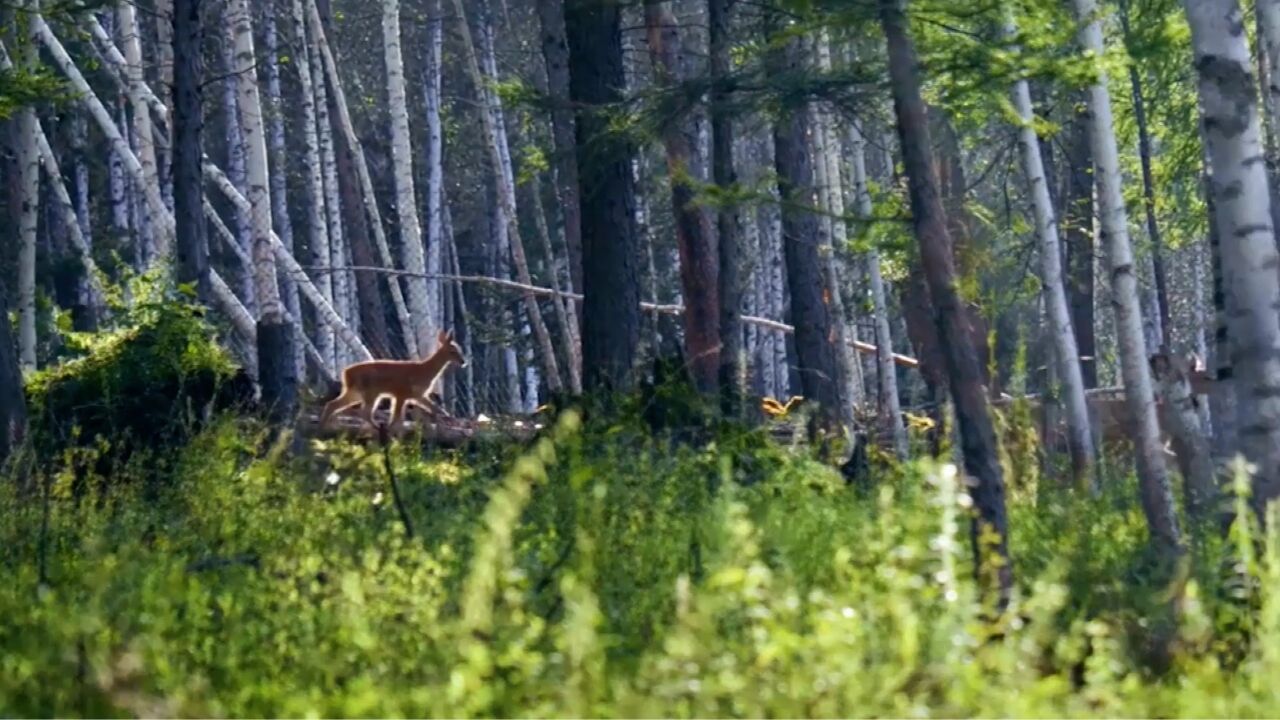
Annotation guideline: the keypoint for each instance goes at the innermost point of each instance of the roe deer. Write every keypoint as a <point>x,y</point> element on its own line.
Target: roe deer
<point>405,381</point>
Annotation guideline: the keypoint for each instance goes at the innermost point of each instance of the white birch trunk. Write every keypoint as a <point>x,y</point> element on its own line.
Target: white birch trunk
<point>362,175</point>
<point>257,177</point>
<point>495,133</point>
<point>164,60</point>
<point>234,138</point>
<point>1248,249</point>
<point>1153,478</point>
<point>156,244</point>
<point>278,155</point>
<point>406,197</point>
<point>28,181</point>
<point>1061,333</point>
<point>435,164</point>
<point>886,373</point>
<point>317,224</point>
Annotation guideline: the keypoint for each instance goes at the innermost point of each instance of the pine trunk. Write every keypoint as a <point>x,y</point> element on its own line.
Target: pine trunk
<point>977,433</point>
<point>1248,248</point>
<point>1078,230</point>
<point>1153,478</point>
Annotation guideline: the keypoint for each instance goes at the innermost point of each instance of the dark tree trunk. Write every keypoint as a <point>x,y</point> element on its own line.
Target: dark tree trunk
<point>13,407</point>
<point>698,271</point>
<point>732,356</point>
<point>977,434</point>
<point>1078,236</point>
<point>555,52</point>
<point>373,314</point>
<point>277,370</point>
<point>811,312</point>
<point>188,131</point>
<point>611,288</point>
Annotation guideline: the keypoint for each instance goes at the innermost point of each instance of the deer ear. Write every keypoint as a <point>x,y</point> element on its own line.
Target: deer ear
<point>448,336</point>
<point>442,337</point>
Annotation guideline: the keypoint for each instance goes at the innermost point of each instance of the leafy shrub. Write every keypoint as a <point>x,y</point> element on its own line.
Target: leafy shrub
<point>147,387</point>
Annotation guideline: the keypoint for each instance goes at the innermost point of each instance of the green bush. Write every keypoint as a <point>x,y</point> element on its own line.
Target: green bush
<point>607,572</point>
<point>147,387</point>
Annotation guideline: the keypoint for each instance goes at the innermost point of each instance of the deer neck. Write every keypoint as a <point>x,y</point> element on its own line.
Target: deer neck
<point>435,363</point>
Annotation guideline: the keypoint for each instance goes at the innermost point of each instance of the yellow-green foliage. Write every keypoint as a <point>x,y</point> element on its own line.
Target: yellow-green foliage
<point>603,571</point>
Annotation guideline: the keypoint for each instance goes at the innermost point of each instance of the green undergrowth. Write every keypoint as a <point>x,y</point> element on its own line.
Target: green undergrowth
<point>603,570</point>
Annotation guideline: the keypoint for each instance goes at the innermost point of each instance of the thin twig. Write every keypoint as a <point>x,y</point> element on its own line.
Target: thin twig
<point>395,486</point>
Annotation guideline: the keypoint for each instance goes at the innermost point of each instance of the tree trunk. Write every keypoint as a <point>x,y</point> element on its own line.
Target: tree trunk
<point>611,310</point>
<point>317,225</point>
<point>812,313</point>
<point>699,281</point>
<point>277,373</point>
<point>977,434</point>
<point>555,52</point>
<point>406,197</point>
<point>733,357</point>
<point>188,138</point>
<point>278,152</point>
<point>234,140</point>
<point>890,407</point>
<point>1267,13</point>
<point>566,322</point>
<point>1079,436</point>
<point>432,75</point>
<point>1153,478</point>
<point>1180,417</point>
<point>504,179</point>
<point>1078,229</point>
<point>1248,248</point>
<point>367,192</point>
<point>13,407</point>
<point>27,156</point>
<point>155,244</point>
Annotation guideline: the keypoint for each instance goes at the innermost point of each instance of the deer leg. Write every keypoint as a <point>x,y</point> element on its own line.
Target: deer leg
<point>337,405</point>
<point>366,412</point>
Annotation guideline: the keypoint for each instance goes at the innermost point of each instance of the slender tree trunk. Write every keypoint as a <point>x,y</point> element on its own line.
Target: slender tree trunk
<point>555,52</point>
<point>277,372</point>
<point>558,303</point>
<point>154,244</point>
<point>1267,13</point>
<point>278,154</point>
<point>13,407</point>
<point>1078,229</point>
<point>1080,438</point>
<point>977,434</point>
<point>698,260</point>
<point>812,313</point>
<point>1153,478</point>
<point>28,191</point>
<point>367,192</point>
<point>499,156</point>
<point>1248,247</point>
<point>234,140</point>
<point>317,224</point>
<point>406,196</point>
<point>188,133</point>
<point>432,74</point>
<point>611,310</point>
<point>890,410</point>
<point>733,357</point>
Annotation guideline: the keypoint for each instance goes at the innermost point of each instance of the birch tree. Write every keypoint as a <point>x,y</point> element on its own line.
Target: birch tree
<point>1153,478</point>
<point>435,197</point>
<point>406,196</point>
<point>1079,436</point>
<point>276,370</point>
<point>155,243</point>
<point>1248,249</point>
<point>28,181</point>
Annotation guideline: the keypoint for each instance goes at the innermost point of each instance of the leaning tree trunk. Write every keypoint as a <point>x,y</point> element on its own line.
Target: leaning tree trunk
<point>973,415</point>
<point>699,282</point>
<point>188,130</point>
<point>504,181</point>
<point>278,152</point>
<point>812,314</point>
<point>155,245</point>
<point>555,53</point>
<point>610,240</point>
<point>28,192</point>
<point>367,192</point>
<point>890,410</point>
<point>402,164</point>
<point>1153,478</point>
<point>1079,436</point>
<point>277,373</point>
<point>1248,247</point>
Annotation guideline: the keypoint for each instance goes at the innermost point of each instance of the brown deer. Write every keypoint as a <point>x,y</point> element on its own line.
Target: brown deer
<point>405,381</point>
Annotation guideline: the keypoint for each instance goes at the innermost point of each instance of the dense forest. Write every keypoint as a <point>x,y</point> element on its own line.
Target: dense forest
<point>770,358</point>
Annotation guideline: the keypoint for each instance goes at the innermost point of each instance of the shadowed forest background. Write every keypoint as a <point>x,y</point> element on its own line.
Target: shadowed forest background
<point>778,358</point>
